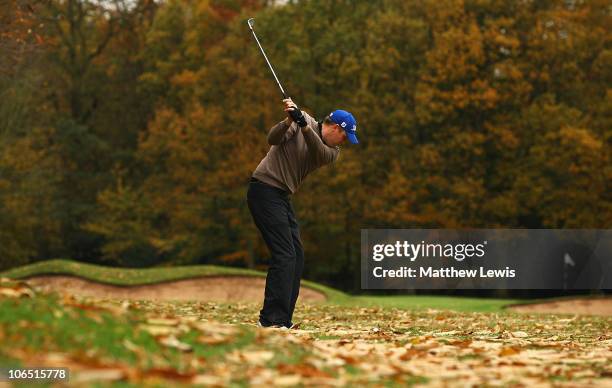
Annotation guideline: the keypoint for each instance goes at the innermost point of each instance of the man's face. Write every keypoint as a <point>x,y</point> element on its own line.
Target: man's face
<point>333,135</point>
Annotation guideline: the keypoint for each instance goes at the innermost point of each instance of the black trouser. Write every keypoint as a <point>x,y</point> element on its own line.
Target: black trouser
<point>274,217</point>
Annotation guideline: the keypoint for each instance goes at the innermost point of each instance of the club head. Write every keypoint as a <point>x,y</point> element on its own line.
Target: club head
<point>251,22</point>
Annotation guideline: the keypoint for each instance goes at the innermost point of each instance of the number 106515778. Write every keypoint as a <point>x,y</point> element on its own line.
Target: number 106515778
<point>11,374</point>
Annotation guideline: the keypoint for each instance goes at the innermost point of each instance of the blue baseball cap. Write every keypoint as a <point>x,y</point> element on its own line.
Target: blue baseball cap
<point>346,120</point>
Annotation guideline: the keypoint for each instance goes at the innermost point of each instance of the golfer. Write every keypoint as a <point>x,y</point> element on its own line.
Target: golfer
<point>299,145</point>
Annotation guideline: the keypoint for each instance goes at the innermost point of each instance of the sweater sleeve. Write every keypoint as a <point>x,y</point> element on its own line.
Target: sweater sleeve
<point>317,150</point>
<point>280,132</point>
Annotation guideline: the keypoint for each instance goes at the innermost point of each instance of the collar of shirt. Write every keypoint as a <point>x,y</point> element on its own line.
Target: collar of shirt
<point>320,131</point>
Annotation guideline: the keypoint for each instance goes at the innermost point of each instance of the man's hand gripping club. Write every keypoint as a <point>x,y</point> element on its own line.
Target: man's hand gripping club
<point>294,113</point>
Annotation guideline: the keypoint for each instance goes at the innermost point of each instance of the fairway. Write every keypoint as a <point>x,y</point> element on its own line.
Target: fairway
<point>225,284</point>
<point>344,341</point>
<point>87,279</point>
<point>161,343</point>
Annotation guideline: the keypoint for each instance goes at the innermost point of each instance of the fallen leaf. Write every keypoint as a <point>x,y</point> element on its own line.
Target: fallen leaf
<point>163,321</point>
<point>287,380</point>
<point>158,330</point>
<point>213,340</point>
<point>205,379</point>
<point>256,357</point>
<point>509,351</point>
<point>173,342</point>
<point>87,375</point>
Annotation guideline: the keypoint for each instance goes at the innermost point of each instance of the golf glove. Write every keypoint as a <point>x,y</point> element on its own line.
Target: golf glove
<point>298,117</point>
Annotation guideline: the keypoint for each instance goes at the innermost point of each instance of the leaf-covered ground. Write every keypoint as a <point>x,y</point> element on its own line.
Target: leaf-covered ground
<point>127,343</point>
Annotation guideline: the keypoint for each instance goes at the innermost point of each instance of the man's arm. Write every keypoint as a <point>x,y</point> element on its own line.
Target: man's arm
<point>318,150</point>
<point>281,132</point>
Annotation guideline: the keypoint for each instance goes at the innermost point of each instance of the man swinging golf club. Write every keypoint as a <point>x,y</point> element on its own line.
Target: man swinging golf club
<point>298,145</point>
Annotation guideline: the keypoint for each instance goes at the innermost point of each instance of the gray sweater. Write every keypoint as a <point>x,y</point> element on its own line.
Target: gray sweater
<point>293,154</point>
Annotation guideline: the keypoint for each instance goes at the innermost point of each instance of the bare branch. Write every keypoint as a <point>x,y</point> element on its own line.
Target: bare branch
<point>107,37</point>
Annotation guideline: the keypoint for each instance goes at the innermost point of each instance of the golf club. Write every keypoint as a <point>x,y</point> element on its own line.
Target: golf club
<point>251,22</point>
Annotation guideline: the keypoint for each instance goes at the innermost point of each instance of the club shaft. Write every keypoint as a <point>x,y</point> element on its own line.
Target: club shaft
<point>268,62</point>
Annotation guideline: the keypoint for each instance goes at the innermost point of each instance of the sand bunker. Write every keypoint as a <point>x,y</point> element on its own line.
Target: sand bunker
<point>593,306</point>
<point>205,289</point>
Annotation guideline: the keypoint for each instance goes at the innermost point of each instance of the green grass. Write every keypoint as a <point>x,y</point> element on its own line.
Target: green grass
<point>52,327</point>
<point>141,276</point>
<point>90,334</point>
<point>98,335</point>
